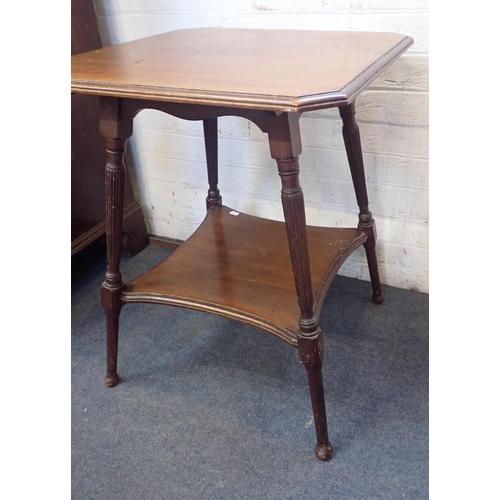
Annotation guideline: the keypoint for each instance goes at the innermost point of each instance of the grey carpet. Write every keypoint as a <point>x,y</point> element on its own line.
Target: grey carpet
<point>209,408</point>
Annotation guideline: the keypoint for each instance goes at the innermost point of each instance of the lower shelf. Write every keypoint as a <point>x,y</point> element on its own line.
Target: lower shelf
<point>239,266</point>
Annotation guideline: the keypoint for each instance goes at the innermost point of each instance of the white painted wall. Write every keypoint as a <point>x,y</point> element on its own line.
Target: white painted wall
<point>166,156</point>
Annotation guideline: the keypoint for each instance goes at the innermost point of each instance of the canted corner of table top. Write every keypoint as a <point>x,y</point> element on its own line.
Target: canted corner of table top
<point>278,70</point>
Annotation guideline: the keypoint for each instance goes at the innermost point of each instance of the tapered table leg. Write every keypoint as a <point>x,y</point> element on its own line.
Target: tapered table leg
<point>352,141</point>
<point>115,132</point>
<point>211,150</point>
<point>285,145</point>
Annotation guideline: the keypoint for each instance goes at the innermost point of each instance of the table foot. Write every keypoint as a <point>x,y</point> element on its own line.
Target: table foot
<point>371,255</point>
<point>110,302</point>
<point>324,452</point>
<point>111,380</point>
<point>311,355</point>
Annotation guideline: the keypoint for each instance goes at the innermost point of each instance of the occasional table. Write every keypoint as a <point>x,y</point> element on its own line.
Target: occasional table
<point>270,274</point>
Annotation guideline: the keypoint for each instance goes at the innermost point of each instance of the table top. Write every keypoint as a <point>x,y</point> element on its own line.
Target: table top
<point>278,70</point>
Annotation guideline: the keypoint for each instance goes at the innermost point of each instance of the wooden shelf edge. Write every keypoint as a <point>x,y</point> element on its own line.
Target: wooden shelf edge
<point>332,272</point>
<point>239,267</point>
<point>197,305</point>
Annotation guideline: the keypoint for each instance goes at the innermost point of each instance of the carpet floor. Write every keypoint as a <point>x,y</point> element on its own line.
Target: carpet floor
<point>210,408</point>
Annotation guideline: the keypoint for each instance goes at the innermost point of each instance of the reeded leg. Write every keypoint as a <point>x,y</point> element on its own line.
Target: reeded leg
<point>352,141</point>
<point>285,144</point>
<point>115,132</point>
<point>112,287</point>
<point>211,149</point>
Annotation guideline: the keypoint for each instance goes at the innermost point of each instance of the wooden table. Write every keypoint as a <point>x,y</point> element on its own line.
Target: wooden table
<point>269,274</point>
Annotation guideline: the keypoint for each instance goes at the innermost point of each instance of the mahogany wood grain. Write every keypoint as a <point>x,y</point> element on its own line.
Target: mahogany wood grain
<point>240,68</point>
<point>238,266</point>
<point>112,287</point>
<point>211,150</point>
<point>273,275</point>
<point>115,131</point>
<point>130,108</point>
<point>286,146</point>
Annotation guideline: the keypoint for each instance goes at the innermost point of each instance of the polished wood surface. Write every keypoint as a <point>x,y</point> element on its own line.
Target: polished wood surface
<point>273,275</point>
<point>285,146</point>
<point>236,266</point>
<point>263,69</point>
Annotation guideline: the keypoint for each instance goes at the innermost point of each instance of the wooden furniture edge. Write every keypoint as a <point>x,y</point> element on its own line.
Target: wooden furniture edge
<point>282,104</point>
<point>333,270</point>
<point>199,305</point>
<point>281,332</point>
